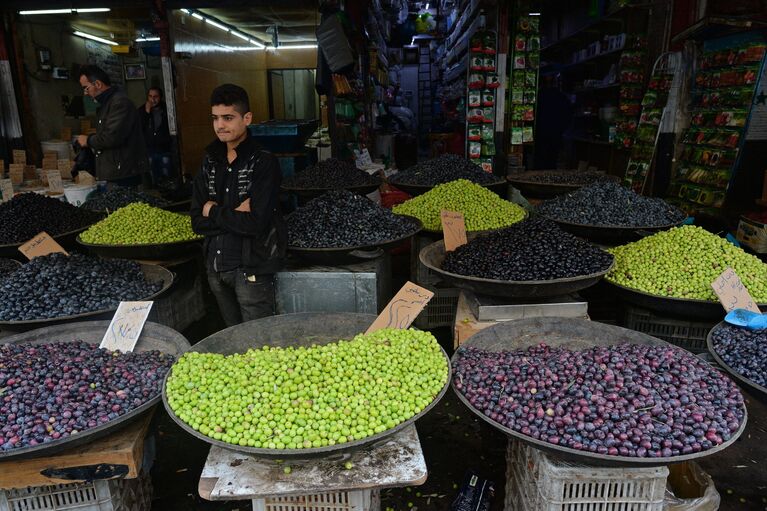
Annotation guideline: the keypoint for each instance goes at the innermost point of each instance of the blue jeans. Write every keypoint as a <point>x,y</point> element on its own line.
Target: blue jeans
<point>241,299</point>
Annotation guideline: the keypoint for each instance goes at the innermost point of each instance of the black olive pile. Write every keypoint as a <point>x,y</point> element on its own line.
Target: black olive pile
<point>27,214</point>
<point>343,219</point>
<point>443,169</point>
<point>626,400</point>
<point>118,197</point>
<point>8,266</point>
<point>610,204</point>
<point>745,351</point>
<point>565,178</point>
<point>330,174</point>
<point>52,391</point>
<point>534,249</point>
<point>58,285</point>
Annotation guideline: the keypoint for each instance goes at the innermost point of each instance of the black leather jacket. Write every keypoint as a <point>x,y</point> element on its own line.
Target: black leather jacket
<point>119,141</point>
<point>253,242</point>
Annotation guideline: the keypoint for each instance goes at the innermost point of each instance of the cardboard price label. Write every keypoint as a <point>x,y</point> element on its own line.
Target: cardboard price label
<point>6,188</point>
<point>402,310</point>
<point>54,181</point>
<point>454,229</point>
<point>19,156</point>
<point>363,158</point>
<point>66,134</point>
<point>65,168</point>
<point>41,245</point>
<point>126,326</point>
<point>732,293</point>
<point>16,173</point>
<point>50,164</point>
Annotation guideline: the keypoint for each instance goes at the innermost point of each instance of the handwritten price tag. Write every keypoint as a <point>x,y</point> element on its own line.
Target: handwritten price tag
<point>454,229</point>
<point>41,245</point>
<point>126,325</point>
<point>66,134</point>
<point>6,187</point>
<point>50,164</point>
<point>363,158</point>
<point>65,168</point>
<point>732,293</point>
<point>402,310</point>
<point>54,181</point>
<point>16,173</point>
<point>19,156</point>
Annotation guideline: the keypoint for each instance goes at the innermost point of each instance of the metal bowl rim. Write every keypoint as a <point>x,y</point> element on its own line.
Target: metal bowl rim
<point>59,319</point>
<point>725,365</point>
<point>418,225</point>
<point>314,451</point>
<point>614,460</point>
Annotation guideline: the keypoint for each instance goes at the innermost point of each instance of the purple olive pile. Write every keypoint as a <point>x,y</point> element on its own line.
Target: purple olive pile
<point>532,250</point>
<point>52,391</point>
<point>627,400</point>
<point>745,351</point>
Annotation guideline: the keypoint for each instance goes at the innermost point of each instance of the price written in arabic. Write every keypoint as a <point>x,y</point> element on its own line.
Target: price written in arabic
<point>41,245</point>
<point>454,229</point>
<point>732,292</point>
<point>402,310</point>
<point>126,326</point>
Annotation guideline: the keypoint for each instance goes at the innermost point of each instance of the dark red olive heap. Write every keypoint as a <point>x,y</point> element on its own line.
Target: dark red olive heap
<point>628,400</point>
<point>52,391</point>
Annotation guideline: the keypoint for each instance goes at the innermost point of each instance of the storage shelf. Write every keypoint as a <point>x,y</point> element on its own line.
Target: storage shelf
<point>716,26</point>
<point>595,27</point>
<point>579,90</point>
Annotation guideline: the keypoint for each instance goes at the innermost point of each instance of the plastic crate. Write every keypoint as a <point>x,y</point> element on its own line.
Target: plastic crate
<point>690,335</point>
<point>353,500</point>
<point>112,495</point>
<point>419,273</point>
<point>440,311</point>
<point>537,481</point>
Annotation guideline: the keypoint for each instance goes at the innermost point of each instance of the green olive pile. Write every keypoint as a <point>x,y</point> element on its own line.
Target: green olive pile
<point>300,398</point>
<point>683,262</point>
<point>140,224</point>
<point>482,209</point>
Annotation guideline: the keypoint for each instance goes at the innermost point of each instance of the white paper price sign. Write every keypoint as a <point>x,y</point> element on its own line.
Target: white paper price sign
<point>126,325</point>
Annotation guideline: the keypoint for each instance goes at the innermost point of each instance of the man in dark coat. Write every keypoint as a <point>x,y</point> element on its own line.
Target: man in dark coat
<point>118,143</point>
<point>235,205</point>
<point>153,118</point>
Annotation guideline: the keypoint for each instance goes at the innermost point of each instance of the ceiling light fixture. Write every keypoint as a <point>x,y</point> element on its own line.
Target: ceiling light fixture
<point>217,25</point>
<point>64,11</point>
<point>533,13</point>
<point>296,47</point>
<point>198,16</point>
<point>256,44</point>
<point>147,39</point>
<point>241,36</point>
<point>186,11</point>
<point>94,38</point>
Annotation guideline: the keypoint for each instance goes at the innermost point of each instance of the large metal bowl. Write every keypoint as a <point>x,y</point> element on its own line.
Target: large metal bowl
<point>335,256</point>
<point>746,381</point>
<point>499,186</point>
<point>610,234</point>
<point>153,337</point>
<point>306,194</point>
<point>539,190</point>
<point>687,307</point>
<point>302,329</point>
<point>146,251</point>
<point>152,272</point>
<point>432,256</point>
<point>574,334</point>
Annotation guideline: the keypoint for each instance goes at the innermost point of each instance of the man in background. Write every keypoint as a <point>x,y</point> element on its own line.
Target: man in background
<point>154,122</point>
<point>118,144</point>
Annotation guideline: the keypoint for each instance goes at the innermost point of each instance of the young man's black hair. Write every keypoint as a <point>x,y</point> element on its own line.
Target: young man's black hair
<point>231,95</point>
<point>235,206</point>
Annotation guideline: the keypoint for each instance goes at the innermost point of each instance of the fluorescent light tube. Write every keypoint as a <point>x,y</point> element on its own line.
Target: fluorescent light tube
<point>216,24</point>
<point>94,38</point>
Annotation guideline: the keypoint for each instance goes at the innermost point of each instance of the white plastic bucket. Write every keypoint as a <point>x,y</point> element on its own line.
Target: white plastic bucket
<point>60,146</point>
<point>77,194</point>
